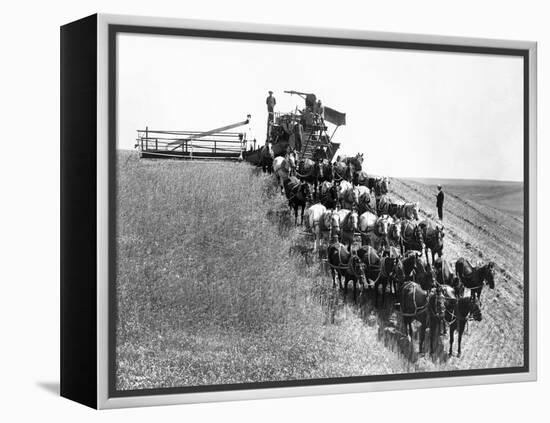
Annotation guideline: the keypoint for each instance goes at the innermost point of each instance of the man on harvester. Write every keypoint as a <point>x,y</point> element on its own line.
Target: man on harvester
<point>271,102</point>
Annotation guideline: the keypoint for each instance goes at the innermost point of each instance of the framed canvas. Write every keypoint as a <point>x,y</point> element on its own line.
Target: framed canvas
<point>255,211</point>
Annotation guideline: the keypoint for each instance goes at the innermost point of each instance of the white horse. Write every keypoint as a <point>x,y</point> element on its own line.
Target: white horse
<point>378,235</point>
<point>367,221</point>
<point>315,222</point>
<point>346,193</point>
<point>348,222</point>
<point>281,169</point>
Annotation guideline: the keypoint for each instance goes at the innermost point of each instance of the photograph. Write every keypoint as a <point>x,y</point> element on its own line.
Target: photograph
<point>293,212</point>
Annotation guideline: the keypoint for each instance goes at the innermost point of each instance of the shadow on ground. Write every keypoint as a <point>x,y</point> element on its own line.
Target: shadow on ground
<point>51,387</point>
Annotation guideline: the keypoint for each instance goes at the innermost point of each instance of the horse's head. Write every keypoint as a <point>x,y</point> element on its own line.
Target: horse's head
<point>414,210</point>
<point>362,177</point>
<point>357,267</point>
<point>439,235</point>
<point>353,196</point>
<point>395,231</point>
<point>339,170</point>
<point>384,185</point>
<point>335,222</point>
<point>348,174</point>
<point>328,170</point>
<point>353,219</point>
<point>318,170</point>
<point>419,236</point>
<point>390,264</point>
<point>439,303</point>
<point>383,225</point>
<point>285,166</point>
<point>269,150</point>
<point>306,191</point>
<point>291,157</point>
<point>333,191</point>
<point>475,309</point>
<point>418,266</point>
<point>458,286</point>
<point>490,274</point>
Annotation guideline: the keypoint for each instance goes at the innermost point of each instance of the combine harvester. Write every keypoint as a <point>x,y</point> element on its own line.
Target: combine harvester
<point>303,130</point>
<point>217,144</point>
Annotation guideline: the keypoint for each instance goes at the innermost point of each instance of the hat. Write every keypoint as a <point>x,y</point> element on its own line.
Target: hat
<point>439,186</point>
<point>270,92</point>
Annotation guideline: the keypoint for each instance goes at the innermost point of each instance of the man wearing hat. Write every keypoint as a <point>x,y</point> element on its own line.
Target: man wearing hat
<point>271,102</point>
<point>439,204</point>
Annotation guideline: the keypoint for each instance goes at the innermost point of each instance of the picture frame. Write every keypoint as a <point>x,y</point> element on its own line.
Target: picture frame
<point>90,109</point>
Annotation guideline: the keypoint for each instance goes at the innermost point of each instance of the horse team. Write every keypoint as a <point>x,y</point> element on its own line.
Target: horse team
<point>340,203</point>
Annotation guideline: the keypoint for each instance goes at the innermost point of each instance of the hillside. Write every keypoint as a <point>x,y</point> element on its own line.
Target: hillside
<point>504,196</point>
<point>480,232</point>
<point>208,293</point>
<point>211,288</point>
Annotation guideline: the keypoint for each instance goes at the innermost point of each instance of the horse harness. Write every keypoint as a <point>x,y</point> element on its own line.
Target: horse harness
<point>417,309</point>
<point>348,266</point>
<point>483,283</point>
<point>295,191</point>
<point>454,314</point>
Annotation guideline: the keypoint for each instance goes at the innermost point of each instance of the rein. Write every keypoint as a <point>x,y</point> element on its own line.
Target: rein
<point>337,176</point>
<point>476,287</point>
<point>304,176</point>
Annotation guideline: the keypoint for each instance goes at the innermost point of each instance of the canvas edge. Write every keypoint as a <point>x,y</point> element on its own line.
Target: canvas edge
<point>533,224</point>
<point>103,400</point>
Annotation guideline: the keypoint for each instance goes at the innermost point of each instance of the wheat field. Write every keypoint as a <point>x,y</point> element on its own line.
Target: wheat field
<point>211,288</point>
<point>207,292</point>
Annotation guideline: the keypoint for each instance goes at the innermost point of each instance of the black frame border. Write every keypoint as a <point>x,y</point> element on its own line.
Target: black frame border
<point>78,211</point>
<point>114,29</point>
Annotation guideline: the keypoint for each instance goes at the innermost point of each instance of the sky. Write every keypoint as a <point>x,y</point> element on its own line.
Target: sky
<point>412,113</point>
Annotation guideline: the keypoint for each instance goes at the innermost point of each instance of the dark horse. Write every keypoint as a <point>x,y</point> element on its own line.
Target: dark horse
<point>348,168</point>
<point>298,194</point>
<point>355,162</point>
<point>412,265</point>
<point>355,165</point>
<point>412,236</point>
<point>475,277</point>
<point>325,171</point>
<point>370,257</point>
<point>308,171</point>
<point>391,272</point>
<point>328,195</point>
<point>339,171</point>
<point>457,311</point>
<point>433,238</point>
<point>382,270</point>
<point>344,263</point>
<point>424,306</point>
<point>445,276</point>
<point>380,185</point>
<point>266,158</point>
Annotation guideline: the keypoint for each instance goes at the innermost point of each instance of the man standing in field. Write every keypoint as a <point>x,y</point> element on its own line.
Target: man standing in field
<point>439,204</point>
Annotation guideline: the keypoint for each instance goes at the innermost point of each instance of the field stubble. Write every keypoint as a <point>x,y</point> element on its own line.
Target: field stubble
<point>481,233</point>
